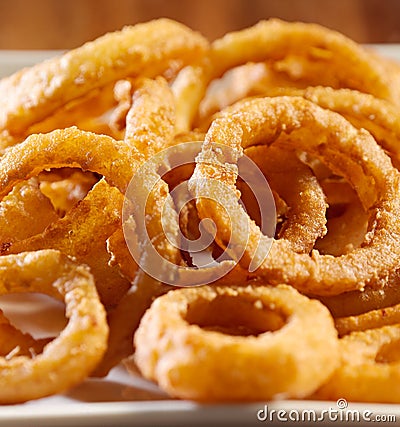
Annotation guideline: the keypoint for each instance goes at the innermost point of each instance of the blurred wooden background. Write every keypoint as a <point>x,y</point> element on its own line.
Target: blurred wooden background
<point>58,24</point>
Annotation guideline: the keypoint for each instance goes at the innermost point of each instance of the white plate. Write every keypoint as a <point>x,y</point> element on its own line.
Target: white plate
<point>14,60</point>
<point>123,400</point>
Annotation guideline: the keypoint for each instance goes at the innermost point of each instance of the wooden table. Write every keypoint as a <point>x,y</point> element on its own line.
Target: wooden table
<point>58,24</point>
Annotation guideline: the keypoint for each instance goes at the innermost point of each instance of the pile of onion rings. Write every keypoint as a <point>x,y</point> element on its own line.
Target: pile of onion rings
<point>221,216</point>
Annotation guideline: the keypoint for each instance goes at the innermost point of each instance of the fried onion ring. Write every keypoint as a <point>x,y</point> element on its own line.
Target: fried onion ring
<point>349,152</point>
<point>148,49</point>
<point>71,356</point>
<point>276,40</point>
<point>235,328</point>
<point>69,147</point>
<point>369,370</point>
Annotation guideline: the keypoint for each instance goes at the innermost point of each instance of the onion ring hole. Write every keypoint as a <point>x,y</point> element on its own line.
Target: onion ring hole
<point>31,312</point>
<point>235,316</point>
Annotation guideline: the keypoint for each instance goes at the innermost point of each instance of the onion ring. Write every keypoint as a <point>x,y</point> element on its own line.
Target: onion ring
<point>183,332</point>
<point>305,217</point>
<point>69,147</point>
<point>261,120</point>
<point>85,336</point>
<point>63,148</point>
<point>296,54</point>
<point>145,49</point>
<point>369,370</point>
<point>275,39</point>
